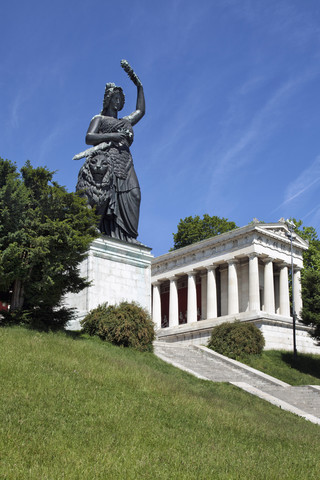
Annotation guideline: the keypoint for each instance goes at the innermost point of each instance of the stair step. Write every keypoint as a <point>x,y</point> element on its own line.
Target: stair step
<point>217,368</point>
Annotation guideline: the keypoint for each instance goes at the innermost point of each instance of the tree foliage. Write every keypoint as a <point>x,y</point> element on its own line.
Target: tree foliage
<point>310,278</point>
<point>44,235</point>
<point>311,257</point>
<point>194,229</point>
<point>311,301</point>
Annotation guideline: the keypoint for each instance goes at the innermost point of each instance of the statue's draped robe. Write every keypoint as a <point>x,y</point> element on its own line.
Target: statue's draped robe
<point>119,205</point>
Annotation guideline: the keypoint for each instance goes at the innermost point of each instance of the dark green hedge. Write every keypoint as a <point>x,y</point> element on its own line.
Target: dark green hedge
<point>126,324</point>
<point>237,339</point>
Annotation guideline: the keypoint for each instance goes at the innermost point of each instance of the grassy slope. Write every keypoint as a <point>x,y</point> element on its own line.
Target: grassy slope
<point>82,409</point>
<point>306,371</point>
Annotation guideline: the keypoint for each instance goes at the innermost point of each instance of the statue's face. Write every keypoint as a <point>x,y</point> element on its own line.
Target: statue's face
<point>99,167</point>
<point>116,101</point>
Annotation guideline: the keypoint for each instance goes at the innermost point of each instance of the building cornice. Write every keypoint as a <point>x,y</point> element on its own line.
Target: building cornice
<point>253,238</point>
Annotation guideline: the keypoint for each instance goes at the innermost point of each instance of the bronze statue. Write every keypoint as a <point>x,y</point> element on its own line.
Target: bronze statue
<point>108,179</point>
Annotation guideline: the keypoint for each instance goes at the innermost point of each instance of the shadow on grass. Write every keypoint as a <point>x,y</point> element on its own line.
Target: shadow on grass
<point>74,334</point>
<point>41,327</point>
<point>308,364</point>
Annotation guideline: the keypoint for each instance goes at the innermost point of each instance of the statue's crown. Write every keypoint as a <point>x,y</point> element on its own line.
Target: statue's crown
<point>110,85</point>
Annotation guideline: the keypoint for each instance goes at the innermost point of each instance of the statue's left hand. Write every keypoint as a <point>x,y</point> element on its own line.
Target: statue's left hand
<point>131,74</point>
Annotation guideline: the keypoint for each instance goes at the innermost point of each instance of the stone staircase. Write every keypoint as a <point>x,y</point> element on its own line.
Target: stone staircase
<point>208,365</point>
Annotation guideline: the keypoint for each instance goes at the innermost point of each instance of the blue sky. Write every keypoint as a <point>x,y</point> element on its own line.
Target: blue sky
<point>232,92</point>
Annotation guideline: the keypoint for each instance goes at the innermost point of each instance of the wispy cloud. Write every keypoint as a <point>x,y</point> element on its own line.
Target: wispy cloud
<point>314,211</point>
<point>295,25</point>
<point>34,79</point>
<point>254,136</point>
<point>301,193</point>
<point>16,107</point>
<point>49,143</point>
<point>307,179</point>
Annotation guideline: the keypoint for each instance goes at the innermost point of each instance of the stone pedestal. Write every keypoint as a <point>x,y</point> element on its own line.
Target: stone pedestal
<point>118,271</point>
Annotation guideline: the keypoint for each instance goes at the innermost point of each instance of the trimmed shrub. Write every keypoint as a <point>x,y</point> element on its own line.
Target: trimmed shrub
<point>91,322</point>
<point>236,340</point>
<point>126,325</point>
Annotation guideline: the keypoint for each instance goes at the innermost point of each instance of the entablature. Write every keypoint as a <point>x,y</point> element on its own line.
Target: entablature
<point>265,240</point>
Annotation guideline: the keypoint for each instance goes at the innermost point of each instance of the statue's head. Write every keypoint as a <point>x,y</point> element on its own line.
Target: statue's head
<point>111,90</point>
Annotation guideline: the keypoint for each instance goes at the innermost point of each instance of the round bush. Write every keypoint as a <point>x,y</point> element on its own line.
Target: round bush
<point>236,340</point>
<point>91,322</point>
<point>126,324</point>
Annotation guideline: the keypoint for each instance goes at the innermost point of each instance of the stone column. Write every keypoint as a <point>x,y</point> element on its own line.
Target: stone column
<point>156,304</point>
<point>284,291</point>
<point>297,292</point>
<point>192,298</point>
<point>173,303</point>
<point>254,292</point>
<point>269,305</point>
<point>276,279</point>
<point>204,296</point>
<point>233,292</point>
<point>211,292</point>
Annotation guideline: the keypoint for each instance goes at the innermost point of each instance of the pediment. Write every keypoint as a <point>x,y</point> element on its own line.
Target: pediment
<point>281,231</point>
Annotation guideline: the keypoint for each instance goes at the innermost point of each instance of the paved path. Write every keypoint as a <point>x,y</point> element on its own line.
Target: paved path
<point>208,365</point>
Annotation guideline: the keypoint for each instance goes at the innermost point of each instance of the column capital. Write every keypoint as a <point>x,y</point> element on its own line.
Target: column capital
<point>267,260</point>
<point>253,255</point>
<point>173,277</point>
<point>232,261</point>
<point>211,268</point>
<point>192,273</point>
<point>156,283</point>
<point>284,264</point>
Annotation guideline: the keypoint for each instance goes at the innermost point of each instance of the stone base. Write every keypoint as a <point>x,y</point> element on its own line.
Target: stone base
<point>119,271</point>
<point>276,329</point>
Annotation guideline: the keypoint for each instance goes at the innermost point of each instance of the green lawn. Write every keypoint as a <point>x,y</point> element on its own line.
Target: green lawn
<point>77,408</point>
<point>306,371</point>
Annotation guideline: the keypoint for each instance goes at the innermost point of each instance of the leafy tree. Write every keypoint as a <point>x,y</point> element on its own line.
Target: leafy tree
<point>311,301</point>
<point>44,235</point>
<point>194,229</point>
<point>310,278</point>
<point>311,257</point>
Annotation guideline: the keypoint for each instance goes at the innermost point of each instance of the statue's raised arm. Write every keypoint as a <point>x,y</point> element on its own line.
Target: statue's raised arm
<point>135,116</point>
